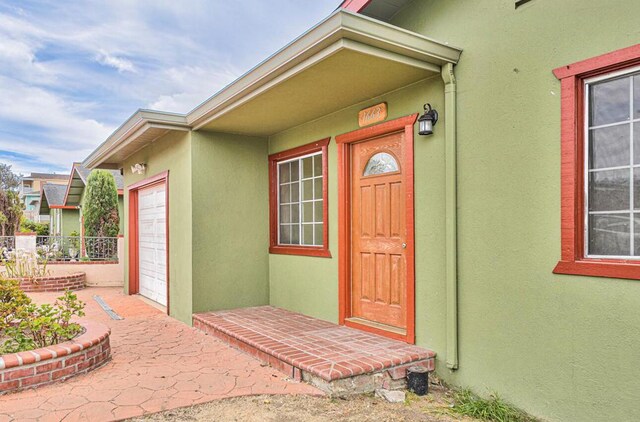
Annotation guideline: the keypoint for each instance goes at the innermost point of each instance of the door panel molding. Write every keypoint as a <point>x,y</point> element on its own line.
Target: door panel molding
<point>344,141</point>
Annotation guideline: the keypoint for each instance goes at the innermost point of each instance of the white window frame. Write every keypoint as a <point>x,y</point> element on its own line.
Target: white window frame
<point>300,201</point>
<point>586,171</point>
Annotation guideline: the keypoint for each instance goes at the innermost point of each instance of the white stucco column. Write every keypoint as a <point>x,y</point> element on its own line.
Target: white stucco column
<point>26,241</point>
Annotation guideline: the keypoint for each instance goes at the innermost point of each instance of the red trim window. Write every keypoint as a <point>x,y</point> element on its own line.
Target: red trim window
<point>298,195</point>
<point>601,166</point>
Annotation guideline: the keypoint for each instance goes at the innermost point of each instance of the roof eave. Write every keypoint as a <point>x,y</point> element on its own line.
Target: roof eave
<point>339,26</point>
<point>140,121</point>
<point>340,29</point>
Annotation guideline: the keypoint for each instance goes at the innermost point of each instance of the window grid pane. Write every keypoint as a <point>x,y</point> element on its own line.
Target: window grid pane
<point>613,168</point>
<point>300,200</point>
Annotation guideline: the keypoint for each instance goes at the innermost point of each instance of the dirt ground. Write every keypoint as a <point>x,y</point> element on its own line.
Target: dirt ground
<point>433,407</point>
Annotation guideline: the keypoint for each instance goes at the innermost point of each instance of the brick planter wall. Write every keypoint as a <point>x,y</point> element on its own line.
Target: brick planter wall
<point>90,350</point>
<point>55,283</point>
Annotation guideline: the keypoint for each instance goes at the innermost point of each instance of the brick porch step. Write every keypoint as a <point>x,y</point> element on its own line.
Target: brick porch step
<point>337,359</point>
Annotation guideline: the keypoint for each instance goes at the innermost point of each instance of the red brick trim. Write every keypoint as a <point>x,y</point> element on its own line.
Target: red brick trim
<point>25,234</point>
<point>60,283</point>
<point>274,247</point>
<point>572,77</point>
<point>329,362</point>
<point>35,368</point>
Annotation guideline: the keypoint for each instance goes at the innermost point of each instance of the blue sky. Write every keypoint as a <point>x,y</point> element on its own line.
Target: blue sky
<point>73,71</point>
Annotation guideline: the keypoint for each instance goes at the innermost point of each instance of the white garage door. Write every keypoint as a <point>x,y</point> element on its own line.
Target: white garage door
<point>152,243</point>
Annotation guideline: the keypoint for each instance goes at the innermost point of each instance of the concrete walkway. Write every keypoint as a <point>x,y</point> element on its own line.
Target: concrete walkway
<point>158,364</point>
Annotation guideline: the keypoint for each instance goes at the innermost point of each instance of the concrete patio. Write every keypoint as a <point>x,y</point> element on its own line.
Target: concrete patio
<point>158,364</point>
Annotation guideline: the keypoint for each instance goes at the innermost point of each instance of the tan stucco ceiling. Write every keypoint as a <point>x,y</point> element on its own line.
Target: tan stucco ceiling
<point>345,78</point>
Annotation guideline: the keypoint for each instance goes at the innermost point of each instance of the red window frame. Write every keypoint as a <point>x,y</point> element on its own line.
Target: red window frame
<point>572,77</point>
<point>274,248</point>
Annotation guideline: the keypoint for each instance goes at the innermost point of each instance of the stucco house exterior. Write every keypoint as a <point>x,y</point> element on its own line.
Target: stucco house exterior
<point>51,204</point>
<point>506,240</point>
<point>75,194</point>
<point>63,202</point>
<point>30,191</point>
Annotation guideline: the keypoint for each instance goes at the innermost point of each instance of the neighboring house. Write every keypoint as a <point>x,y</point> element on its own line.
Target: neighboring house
<point>494,241</point>
<point>76,189</point>
<point>51,203</point>
<point>63,202</point>
<point>30,190</point>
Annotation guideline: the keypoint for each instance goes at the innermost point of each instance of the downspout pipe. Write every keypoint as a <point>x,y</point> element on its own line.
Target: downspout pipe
<point>451,215</point>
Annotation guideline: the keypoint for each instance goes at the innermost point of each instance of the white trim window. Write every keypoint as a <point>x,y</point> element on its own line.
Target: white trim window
<point>300,201</point>
<point>612,166</point>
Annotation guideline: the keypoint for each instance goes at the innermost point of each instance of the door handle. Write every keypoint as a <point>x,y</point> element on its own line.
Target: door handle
<point>404,246</point>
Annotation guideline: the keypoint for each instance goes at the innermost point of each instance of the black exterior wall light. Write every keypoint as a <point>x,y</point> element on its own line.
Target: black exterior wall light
<point>427,121</point>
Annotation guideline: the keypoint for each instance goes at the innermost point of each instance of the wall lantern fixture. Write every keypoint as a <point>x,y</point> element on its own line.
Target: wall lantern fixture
<point>138,168</point>
<point>427,121</point>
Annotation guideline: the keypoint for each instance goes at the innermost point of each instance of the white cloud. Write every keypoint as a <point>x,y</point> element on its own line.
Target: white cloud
<point>118,63</point>
<point>60,98</point>
<point>62,119</point>
<point>188,86</point>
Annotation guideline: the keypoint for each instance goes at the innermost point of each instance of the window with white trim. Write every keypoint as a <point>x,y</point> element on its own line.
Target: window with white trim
<point>300,201</point>
<point>612,166</point>
<point>298,196</point>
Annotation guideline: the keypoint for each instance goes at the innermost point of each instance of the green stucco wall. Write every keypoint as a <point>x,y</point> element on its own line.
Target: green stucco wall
<point>70,222</point>
<point>309,284</point>
<point>561,347</point>
<point>172,152</point>
<point>230,221</point>
<point>121,213</point>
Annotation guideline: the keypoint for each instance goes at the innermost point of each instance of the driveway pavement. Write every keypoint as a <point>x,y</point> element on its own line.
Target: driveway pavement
<point>157,364</point>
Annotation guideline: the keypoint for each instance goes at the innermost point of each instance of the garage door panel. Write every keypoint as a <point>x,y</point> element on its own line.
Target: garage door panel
<point>152,243</point>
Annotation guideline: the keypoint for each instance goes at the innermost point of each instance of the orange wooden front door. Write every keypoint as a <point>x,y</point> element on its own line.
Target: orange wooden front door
<point>379,232</point>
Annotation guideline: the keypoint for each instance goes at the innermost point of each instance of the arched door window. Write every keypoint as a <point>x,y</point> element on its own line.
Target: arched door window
<point>381,163</point>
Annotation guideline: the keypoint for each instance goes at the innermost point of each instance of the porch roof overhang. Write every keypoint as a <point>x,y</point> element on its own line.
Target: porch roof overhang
<point>142,128</point>
<point>346,59</point>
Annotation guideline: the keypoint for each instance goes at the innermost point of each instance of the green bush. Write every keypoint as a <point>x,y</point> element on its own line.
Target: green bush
<point>41,229</point>
<point>12,303</point>
<point>27,326</point>
<point>100,205</point>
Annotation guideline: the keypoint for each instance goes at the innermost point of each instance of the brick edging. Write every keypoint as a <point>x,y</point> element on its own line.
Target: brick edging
<point>55,283</point>
<point>34,368</point>
<point>83,263</point>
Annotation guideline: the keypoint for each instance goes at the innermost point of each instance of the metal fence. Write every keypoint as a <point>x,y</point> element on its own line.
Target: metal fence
<point>7,243</point>
<point>75,248</point>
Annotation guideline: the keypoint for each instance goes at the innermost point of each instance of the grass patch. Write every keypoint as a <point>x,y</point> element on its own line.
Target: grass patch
<point>493,409</point>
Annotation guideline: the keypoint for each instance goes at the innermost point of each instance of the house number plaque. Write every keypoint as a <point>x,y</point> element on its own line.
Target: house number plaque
<point>373,114</point>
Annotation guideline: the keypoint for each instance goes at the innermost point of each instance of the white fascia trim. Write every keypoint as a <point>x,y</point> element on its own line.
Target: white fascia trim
<point>136,125</point>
